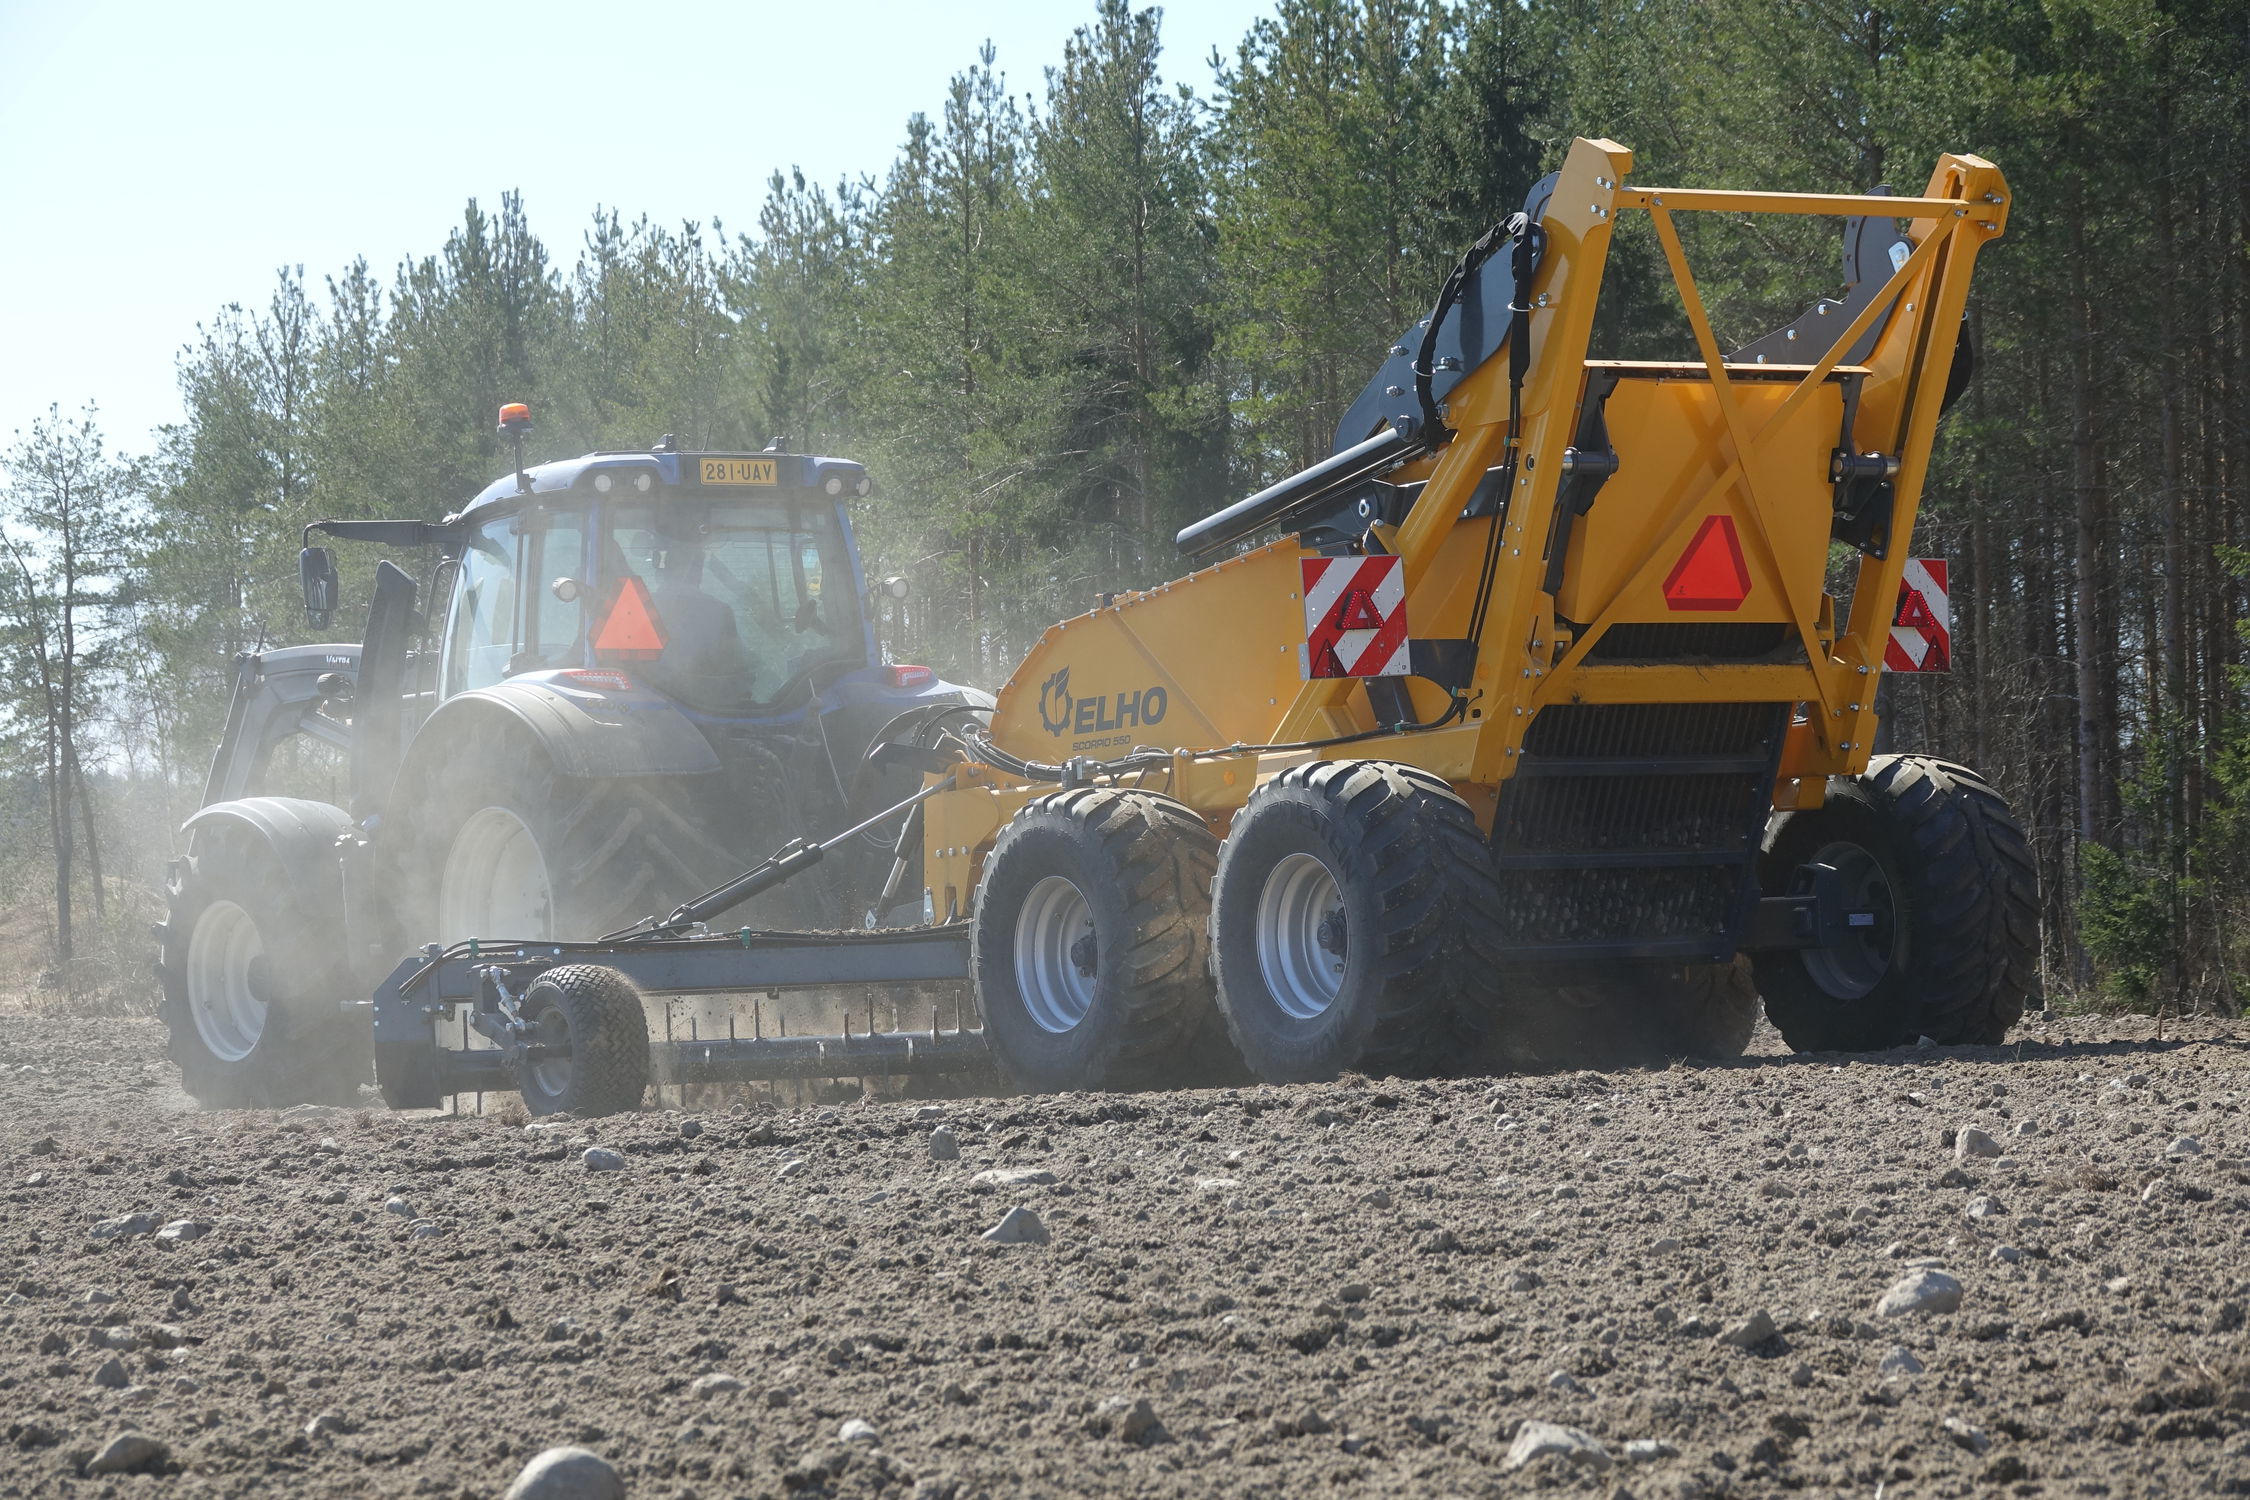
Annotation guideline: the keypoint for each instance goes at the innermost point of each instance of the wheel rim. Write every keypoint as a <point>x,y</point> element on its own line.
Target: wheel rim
<point>226,981</point>
<point>1301,936</point>
<point>1853,967</point>
<point>495,881</point>
<point>1056,958</point>
<point>552,1031</point>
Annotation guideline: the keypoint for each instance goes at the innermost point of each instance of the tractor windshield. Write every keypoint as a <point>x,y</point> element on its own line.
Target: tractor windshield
<point>725,603</point>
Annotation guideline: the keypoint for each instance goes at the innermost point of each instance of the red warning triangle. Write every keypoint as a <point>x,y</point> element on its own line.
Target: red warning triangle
<point>1914,611</point>
<point>1327,664</point>
<point>1356,611</point>
<point>1710,573</point>
<point>631,631</point>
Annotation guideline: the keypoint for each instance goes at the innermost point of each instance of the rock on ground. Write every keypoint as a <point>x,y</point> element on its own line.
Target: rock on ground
<point>1924,1291</point>
<point>567,1474</point>
<point>1537,1440</point>
<point>128,1453</point>
<point>1018,1226</point>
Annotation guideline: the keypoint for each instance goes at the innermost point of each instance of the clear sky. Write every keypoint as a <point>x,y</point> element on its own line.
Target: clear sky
<point>159,158</point>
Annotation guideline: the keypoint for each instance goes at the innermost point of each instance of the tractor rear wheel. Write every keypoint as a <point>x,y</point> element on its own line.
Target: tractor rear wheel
<point>593,1038</point>
<point>1350,919</point>
<point>254,982</point>
<point>503,846</point>
<point>1942,877</point>
<point>1089,944</point>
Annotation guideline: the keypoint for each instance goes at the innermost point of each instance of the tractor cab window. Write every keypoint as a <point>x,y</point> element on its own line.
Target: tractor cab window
<point>725,601</point>
<point>505,618</point>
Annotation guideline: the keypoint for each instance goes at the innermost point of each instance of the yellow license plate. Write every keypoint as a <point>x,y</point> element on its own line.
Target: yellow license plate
<point>739,471</point>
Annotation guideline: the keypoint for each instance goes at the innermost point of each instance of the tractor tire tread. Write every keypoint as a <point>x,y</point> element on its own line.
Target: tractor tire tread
<point>1160,857</point>
<point>609,1041</point>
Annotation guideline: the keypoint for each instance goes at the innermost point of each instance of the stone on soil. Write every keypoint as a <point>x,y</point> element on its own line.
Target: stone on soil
<point>1751,1331</point>
<point>1972,1142</point>
<point>128,1453</point>
<point>1924,1291</point>
<point>944,1145</point>
<point>857,1430</point>
<point>567,1474</point>
<point>1018,1226</point>
<point>1008,1177</point>
<point>1537,1440</point>
<point>123,1227</point>
<point>1900,1361</point>
<point>602,1159</point>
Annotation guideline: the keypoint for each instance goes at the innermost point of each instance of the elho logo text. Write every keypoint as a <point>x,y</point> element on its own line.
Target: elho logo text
<point>1061,712</point>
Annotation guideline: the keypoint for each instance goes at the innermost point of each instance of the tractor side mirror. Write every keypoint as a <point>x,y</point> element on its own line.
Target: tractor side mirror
<point>316,569</point>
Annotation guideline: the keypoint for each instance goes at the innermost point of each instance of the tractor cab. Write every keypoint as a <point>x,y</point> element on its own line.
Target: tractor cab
<point>726,583</point>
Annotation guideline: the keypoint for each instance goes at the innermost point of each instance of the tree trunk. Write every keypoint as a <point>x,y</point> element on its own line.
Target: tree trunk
<point>2092,643</point>
<point>93,843</point>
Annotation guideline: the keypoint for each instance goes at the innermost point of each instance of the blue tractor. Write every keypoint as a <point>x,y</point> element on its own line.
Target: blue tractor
<point>632,670</point>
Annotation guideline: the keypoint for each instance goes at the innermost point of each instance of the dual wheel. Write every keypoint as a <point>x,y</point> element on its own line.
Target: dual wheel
<point>1117,944</point>
<point>1348,924</point>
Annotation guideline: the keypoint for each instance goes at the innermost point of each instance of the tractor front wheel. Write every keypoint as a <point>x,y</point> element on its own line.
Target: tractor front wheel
<point>1943,900</point>
<point>254,982</point>
<point>1089,944</point>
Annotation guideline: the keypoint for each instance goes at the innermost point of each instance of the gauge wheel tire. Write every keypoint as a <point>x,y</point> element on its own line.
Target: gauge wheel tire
<point>591,1021</point>
<point>1933,851</point>
<point>500,845</point>
<point>1090,942</point>
<point>1320,856</point>
<point>1629,1015</point>
<point>254,982</point>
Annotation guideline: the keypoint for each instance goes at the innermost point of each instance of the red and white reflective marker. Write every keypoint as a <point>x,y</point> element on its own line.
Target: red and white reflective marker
<point>1922,629</point>
<point>1355,617</point>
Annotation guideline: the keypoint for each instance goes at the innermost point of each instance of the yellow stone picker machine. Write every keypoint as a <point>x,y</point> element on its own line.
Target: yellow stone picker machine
<point>1538,732</point>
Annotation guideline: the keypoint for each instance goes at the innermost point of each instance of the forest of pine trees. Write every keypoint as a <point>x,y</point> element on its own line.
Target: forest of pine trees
<point>1077,311</point>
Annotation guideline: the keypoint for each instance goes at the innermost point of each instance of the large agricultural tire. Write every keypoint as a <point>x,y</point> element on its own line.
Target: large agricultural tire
<point>1090,942</point>
<point>1934,853</point>
<point>1351,921</point>
<point>254,980</point>
<point>503,846</point>
<point>1628,1015</point>
<point>591,1022</point>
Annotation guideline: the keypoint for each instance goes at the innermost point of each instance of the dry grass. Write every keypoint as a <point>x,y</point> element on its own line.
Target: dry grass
<point>110,975</point>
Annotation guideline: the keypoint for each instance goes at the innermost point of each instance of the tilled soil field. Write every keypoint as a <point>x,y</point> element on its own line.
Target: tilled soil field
<point>1364,1287</point>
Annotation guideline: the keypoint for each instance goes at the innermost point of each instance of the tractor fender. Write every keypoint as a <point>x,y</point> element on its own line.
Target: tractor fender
<point>303,835</point>
<point>582,733</point>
